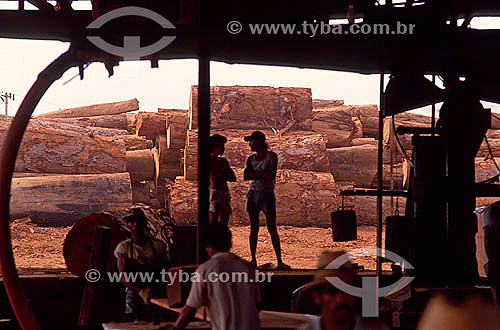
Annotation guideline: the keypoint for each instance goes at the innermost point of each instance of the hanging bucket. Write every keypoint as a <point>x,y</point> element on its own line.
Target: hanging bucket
<point>398,235</point>
<point>344,227</point>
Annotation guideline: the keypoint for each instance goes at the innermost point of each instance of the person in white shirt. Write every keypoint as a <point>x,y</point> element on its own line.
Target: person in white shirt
<point>337,310</point>
<point>220,284</point>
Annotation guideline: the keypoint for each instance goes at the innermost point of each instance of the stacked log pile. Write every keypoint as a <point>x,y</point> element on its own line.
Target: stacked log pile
<point>77,161</point>
<point>303,198</point>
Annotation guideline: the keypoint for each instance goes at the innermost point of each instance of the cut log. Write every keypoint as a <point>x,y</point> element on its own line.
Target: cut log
<point>361,141</point>
<point>59,125</point>
<point>62,200</point>
<point>337,127</point>
<point>131,122</point>
<point>113,108</point>
<point>255,107</point>
<point>134,142</point>
<point>140,165</point>
<point>177,122</point>
<point>326,104</point>
<point>190,160</point>
<point>485,169</point>
<point>167,167</point>
<point>303,151</point>
<point>150,124</point>
<point>176,137</point>
<point>302,199</point>
<point>357,164</point>
<point>111,121</point>
<point>404,139</point>
<point>48,150</point>
<point>140,192</point>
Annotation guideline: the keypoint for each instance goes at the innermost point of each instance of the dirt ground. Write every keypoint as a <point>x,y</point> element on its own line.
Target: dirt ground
<point>41,247</point>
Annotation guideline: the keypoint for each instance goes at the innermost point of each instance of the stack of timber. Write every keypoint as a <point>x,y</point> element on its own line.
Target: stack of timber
<point>256,107</point>
<point>303,198</point>
<point>298,150</point>
<point>84,160</point>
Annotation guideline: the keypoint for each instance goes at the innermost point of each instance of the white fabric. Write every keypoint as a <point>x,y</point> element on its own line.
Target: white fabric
<point>232,305</point>
<point>261,165</point>
<point>360,324</point>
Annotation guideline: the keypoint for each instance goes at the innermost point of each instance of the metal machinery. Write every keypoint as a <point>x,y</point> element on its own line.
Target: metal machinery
<point>442,193</point>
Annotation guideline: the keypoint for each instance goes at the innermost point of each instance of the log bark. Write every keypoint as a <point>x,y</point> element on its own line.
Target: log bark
<point>48,150</point>
<point>110,121</point>
<point>255,107</point>
<point>134,142</point>
<point>357,164</point>
<point>131,122</point>
<point>302,199</point>
<point>304,151</point>
<point>337,127</point>
<point>140,165</point>
<point>326,104</point>
<point>62,200</point>
<point>150,124</point>
<point>59,125</point>
<point>112,108</point>
<point>485,169</point>
<point>190,159</point>
<point>361,141</point>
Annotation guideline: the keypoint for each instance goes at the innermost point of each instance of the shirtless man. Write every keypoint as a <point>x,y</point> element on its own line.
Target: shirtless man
<point>261,170</point>
<point>220,174</point>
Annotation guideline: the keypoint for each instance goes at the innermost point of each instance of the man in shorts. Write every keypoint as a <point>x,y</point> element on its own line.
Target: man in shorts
<point>260,169</point>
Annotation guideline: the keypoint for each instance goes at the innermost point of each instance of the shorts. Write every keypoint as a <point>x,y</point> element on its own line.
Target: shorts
<point>220,202</point>
<point>263,200</point>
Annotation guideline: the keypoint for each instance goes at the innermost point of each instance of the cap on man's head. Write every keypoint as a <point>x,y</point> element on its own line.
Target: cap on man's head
<point>257,135</point>
<point>135,214</point>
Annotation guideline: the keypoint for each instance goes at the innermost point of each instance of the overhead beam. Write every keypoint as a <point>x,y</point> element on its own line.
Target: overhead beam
<point>42,5</point>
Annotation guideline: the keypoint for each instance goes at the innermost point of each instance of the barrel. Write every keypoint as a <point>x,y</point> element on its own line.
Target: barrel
<point>399,235</point>
<point>344,227</point>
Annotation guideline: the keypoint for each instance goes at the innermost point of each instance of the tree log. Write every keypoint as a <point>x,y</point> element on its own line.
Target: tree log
<point>140,165</point>
<point>337,127</point>
<point>131,122</point>
<point>357,164</point>
<point>110,121</point>
<point>150,124</point>
<point>165,166</point>
<point>326,104</point>
<point>303,151</point>
<point>112,108</point>
<point>62,200</point>
<point>485,169</point>
<point>302,198</point>
<point>134,142</point>
<point>48,150</point>
<point>255,107</point>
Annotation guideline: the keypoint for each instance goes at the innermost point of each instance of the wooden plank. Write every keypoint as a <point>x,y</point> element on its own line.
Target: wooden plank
<point>268,319</point>
<point>139,325</point>
<point>112,108</point>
